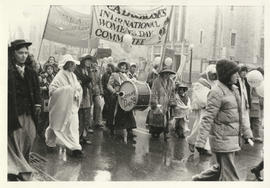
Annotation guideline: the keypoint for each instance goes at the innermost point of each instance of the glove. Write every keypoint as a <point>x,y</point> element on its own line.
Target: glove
<point>249,141</point>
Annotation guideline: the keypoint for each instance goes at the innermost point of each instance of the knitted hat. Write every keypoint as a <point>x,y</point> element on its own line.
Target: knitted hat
<point>225,69</point>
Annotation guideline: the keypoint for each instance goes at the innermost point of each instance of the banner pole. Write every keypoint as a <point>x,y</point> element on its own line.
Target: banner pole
<point>165,42</point>
<point>44,32</point>
<point>91,28</point>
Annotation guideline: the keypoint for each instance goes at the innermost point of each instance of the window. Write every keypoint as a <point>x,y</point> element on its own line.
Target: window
<point>233,39</point>
<point>201,37</point>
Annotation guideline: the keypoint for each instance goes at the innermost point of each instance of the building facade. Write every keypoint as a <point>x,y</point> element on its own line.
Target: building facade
<point>215,32</point>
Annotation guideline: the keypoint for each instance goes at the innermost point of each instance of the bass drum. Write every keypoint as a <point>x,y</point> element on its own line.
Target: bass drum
<point>134,95</point>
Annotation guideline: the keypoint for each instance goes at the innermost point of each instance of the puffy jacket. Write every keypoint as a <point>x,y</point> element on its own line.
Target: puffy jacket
<point>222,121</point>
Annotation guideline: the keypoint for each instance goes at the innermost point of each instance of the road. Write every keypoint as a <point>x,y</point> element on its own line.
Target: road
<point>147,160</point>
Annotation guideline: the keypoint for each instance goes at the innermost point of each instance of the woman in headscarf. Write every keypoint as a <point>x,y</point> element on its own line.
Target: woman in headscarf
<point>222,124</point>
<point>199,100</point>
<point>65,97</point>
<point>24,105</point>
<point>121,119</point>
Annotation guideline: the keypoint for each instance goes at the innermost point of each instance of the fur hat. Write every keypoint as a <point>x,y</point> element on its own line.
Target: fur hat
<point>225,69</point>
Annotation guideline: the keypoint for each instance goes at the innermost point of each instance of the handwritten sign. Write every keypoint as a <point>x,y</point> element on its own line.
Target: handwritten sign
<point>128,100</point>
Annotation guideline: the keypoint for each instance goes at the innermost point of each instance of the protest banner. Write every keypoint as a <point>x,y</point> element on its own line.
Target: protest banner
<point>112,22</point>
<point>67,27</point>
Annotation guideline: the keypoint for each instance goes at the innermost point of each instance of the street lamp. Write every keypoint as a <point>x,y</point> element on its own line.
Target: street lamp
<point>191,46</point>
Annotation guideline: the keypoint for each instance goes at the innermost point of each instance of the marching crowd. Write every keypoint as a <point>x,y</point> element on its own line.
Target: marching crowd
<point>55,100</point>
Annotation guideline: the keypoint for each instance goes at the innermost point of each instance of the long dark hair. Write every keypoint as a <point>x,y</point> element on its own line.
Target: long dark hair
<point>12,59</point>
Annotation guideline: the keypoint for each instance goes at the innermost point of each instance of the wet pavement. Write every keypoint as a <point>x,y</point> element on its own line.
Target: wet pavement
<point>148,160</point>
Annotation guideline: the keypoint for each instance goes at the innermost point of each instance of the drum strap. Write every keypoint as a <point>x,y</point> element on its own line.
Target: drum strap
<point>122,78</point>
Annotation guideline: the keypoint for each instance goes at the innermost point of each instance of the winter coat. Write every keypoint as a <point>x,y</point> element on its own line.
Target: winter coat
<point>163,93</point>
<point>248,90</point>
<point>32,84</point>
<point>200,91</point>
<point>83,77</point>
<point>97,88</point>
<point>222,120</point>
<point>256,104</point>
<point>104,80</point>
<point>115,81</point>
<point>45,81</point>
<point>151,77</point>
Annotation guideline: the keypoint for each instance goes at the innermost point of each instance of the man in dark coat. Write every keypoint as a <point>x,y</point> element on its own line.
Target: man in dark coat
<point>82,72</point>
<point>24,105</point>
<point>107,94</point>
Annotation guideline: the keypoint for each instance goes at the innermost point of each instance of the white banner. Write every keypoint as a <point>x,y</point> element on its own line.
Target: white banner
<point>68,27</point>
<point>149,27</point>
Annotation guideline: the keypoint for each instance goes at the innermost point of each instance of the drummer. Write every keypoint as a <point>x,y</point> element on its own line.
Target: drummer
<point>121,120</point>
<point>162,94</point>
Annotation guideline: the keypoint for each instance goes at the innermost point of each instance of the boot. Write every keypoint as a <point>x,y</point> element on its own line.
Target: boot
<point>203,151</point>
<point>257,174</point>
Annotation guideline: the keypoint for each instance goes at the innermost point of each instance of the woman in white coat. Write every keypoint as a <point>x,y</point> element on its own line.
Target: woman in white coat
<point>65,97</point>
<point>200,91</point>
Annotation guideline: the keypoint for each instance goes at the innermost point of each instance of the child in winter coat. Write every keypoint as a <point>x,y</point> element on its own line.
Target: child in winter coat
<point>181,110</point>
